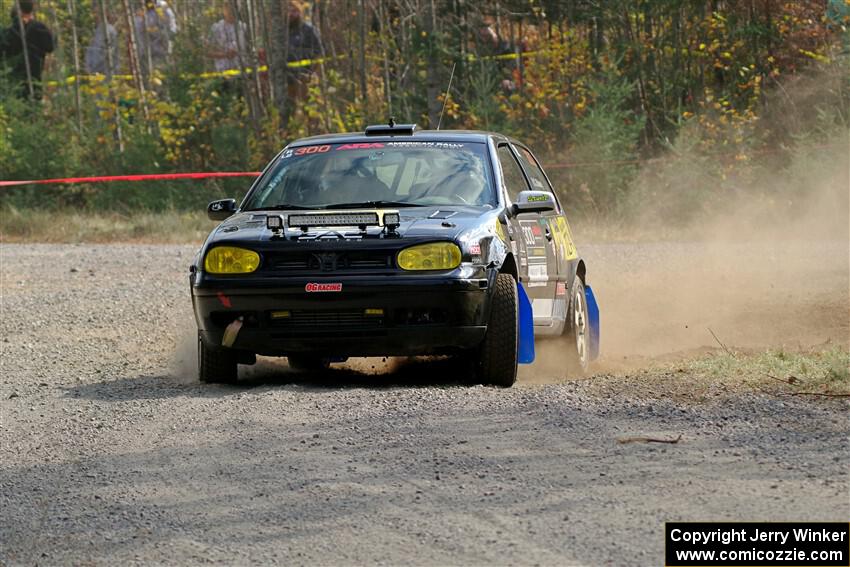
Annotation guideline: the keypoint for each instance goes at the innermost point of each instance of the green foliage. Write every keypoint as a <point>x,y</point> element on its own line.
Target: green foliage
<point>608,132</point>
<point>655,101</point>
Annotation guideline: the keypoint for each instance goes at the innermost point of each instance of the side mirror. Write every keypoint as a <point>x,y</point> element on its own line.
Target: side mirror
<point>220,210</point>
<point>533,202</point>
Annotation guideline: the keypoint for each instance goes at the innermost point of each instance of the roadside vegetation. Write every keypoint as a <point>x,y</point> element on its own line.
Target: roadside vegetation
<point>822,372</point>
<point>819,374</point>
<point>148,226</point>
<point>686,106</point>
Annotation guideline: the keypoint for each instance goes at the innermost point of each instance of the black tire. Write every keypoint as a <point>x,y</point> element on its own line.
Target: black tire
<point>497,363</point>
<point>216,365</point>
<point>308,363</point>
<point>577,331</point>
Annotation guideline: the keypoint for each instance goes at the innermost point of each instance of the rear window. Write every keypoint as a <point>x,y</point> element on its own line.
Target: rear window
<point>420,173</point>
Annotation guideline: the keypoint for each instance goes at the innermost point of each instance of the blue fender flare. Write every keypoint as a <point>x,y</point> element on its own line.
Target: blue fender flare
<point>525,344</point>
<point>593,320</point>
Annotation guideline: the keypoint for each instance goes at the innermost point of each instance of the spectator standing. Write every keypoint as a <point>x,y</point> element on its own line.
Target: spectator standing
<point>304,44</point>
<point>24,53</point>
<point>226,37</point>
<point>156,26</point>
<point>497,51</point>
<point>105,38</point>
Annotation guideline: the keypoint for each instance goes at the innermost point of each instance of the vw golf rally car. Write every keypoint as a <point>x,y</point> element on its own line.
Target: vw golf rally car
<point>393,242</point>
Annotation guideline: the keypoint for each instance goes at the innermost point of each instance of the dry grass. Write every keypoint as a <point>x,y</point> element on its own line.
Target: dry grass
<point>819,375</point>
<point>821,371</point>
<point>75,227</point>
<point>169,226</point>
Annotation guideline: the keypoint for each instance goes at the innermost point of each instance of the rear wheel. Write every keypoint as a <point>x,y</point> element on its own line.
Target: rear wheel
<point>308,363</point>
<point>577,330</point>
<point>497,363</point>
<point>216,365</point>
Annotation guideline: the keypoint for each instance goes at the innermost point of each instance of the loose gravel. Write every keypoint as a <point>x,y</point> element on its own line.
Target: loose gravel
<point>112,453</point>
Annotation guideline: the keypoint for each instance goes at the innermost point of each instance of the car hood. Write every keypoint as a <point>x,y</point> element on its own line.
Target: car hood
<point>442,222</point>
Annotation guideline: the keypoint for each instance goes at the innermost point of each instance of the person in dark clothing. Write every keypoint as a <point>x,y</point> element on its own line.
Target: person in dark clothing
<point>34,46</point>
<point>500,56</point>
<point>304,44</point>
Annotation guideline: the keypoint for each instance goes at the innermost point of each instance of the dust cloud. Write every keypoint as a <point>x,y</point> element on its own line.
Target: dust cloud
<point>756,275</point>
<point>183,366</point>
<point>769,270</point>
<point>756,262</point>
<point>184,361</point>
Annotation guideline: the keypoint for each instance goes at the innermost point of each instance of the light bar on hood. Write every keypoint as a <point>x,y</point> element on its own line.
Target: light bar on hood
<point>392,219</point>
<point>274,222</point>
<point>333,219</point>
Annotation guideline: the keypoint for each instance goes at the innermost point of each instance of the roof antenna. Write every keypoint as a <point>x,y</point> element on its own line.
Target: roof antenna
<point>392,121</point>
<point>448,92</point>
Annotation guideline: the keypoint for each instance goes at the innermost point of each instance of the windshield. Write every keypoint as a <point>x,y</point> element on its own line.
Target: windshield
<point>391,173</point>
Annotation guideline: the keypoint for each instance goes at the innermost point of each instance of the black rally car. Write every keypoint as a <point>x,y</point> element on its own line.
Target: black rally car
<point>392,242</point>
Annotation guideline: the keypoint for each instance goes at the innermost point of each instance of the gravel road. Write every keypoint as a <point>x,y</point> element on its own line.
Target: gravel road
<point>111,452</point>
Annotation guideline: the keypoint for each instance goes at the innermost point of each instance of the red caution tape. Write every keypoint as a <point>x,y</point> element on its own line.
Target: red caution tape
<point>146,177</point>
<point>219,174</point>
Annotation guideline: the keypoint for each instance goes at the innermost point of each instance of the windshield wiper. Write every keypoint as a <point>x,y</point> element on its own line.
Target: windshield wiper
<point>284,207</point>
<point>374,204</point>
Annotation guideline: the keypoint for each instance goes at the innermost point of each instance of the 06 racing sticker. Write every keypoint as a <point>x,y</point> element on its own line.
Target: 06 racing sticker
<point>314,287</point>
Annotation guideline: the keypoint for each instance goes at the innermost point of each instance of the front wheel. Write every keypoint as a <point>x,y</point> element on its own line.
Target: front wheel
<point>577,330</point>
<point>216,365</point>
<point>497,363</point>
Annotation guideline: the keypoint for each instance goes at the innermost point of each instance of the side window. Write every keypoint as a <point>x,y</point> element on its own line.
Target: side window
<point>514,179</point>
<point>535,174</point>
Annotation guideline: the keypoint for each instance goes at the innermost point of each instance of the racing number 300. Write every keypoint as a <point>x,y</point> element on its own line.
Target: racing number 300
<point>311,150</point>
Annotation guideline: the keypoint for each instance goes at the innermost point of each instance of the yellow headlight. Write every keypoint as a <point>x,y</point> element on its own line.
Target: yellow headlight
<point>434,256</point>
<point>231,260</point>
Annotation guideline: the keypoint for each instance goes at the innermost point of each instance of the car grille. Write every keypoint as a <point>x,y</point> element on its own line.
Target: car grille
<point>332,261</point>
<point>327,320</point>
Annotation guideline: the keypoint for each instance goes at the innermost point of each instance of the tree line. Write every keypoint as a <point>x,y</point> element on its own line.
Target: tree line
<point>583,81</point>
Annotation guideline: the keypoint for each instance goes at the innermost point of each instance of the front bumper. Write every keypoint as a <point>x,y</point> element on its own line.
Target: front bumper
<point>399,315</point>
